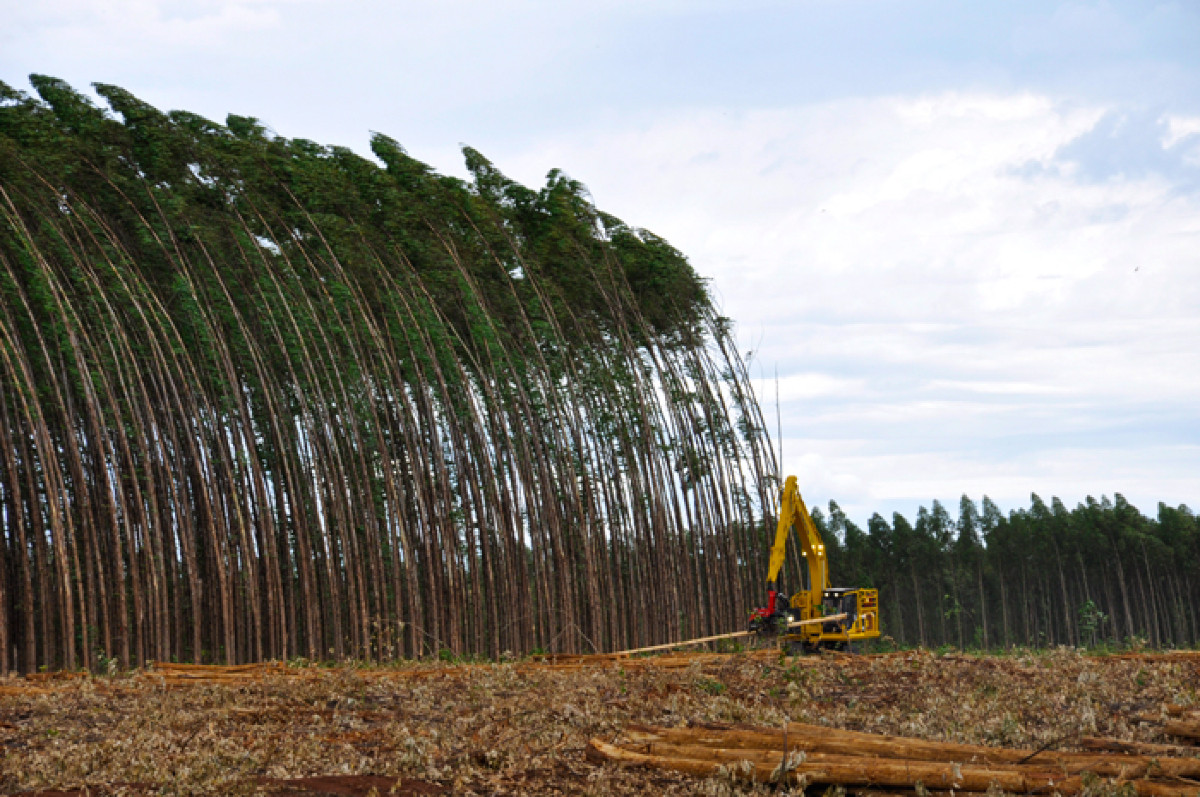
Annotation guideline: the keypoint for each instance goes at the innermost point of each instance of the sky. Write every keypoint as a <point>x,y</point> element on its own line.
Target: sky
<point>960,241</point>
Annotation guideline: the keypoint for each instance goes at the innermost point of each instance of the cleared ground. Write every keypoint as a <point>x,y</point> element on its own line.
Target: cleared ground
<point>524,727</point>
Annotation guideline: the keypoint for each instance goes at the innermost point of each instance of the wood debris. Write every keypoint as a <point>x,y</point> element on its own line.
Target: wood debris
<point>523,727</point>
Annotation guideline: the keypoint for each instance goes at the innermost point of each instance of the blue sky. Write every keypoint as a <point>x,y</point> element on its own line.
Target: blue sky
<point>966,234</point>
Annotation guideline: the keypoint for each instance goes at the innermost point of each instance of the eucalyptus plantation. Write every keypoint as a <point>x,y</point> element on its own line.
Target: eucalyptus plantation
<point>262,398</point>
<point>1101,573</point>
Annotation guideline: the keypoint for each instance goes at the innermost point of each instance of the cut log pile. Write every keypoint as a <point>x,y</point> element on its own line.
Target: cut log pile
<point>173,674</point>
<point>812,754</point>
<point>1183,722</point>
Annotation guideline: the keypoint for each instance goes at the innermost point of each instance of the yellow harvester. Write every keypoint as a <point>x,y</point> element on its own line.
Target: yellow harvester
<point>859,605</point>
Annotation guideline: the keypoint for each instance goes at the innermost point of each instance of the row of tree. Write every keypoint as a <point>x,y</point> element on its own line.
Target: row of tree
<point>261,398</point>
<point>1099,573</point>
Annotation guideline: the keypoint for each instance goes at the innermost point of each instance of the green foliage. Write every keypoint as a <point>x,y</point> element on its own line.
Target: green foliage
<point>1091,620</point>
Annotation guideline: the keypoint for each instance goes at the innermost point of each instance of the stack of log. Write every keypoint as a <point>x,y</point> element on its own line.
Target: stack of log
<point>1180,721</point>
<point>174,674</point>
<point>812,754</point>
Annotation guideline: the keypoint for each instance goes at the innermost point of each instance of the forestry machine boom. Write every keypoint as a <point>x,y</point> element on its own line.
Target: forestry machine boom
<point>817,599</point>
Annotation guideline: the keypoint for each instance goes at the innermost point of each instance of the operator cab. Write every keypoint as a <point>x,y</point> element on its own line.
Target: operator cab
<point>840,600</point>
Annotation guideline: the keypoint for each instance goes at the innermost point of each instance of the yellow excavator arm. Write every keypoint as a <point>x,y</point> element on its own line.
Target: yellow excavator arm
<point>793,513</point>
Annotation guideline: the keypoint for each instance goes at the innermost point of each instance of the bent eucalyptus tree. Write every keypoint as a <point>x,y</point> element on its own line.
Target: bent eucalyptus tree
<point>261,398</point>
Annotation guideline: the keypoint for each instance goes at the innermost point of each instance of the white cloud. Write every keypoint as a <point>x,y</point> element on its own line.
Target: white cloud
<point>1008,388</point>
<point>1180,128</point>
<point>89,26</point>
<point>929,274</point>
<point>1183,132</point>
<point>872,482</point>
<point>796,387</point>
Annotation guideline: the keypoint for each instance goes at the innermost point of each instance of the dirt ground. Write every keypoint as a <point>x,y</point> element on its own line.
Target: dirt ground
<point>522,727</point>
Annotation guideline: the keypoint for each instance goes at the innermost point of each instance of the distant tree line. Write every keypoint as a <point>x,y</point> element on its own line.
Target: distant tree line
<point>1099,573</point>
<point>262,398</point>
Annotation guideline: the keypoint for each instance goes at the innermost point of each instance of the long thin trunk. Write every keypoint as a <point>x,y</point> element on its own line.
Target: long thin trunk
<point>982,604</point>
<point>916,586</point>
